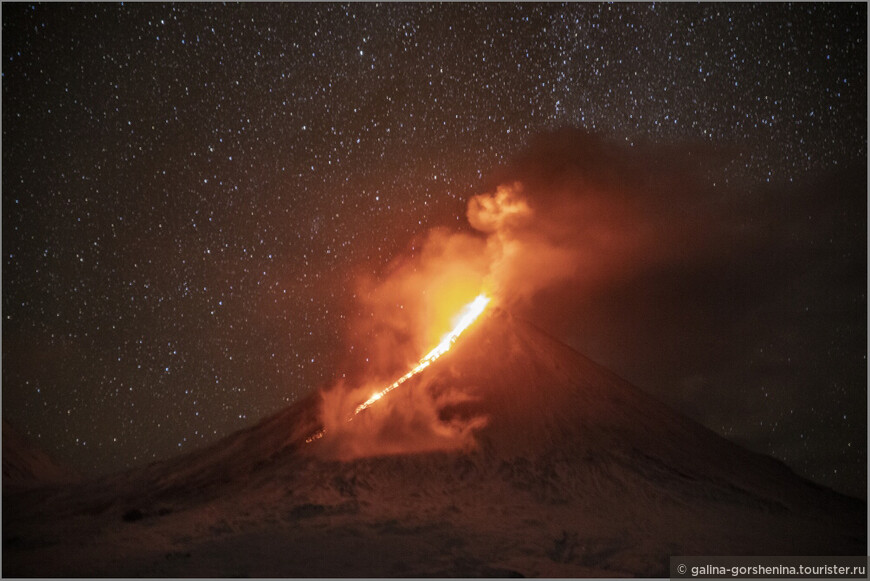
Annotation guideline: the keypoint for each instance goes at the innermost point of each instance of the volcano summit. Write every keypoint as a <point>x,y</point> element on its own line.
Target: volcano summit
<point>544,464</point>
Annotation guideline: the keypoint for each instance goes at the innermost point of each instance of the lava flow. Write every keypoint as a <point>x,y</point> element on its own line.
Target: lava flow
<point>469,314</point>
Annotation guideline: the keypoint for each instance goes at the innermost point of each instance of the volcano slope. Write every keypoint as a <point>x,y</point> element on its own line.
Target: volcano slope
<point>574,473</point>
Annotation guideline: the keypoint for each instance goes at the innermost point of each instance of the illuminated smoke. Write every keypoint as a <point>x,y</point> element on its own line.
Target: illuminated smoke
<point>469,315</point>
<point>571,210</point>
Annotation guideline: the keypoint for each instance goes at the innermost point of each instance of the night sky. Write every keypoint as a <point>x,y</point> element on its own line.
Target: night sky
<point>190,192</point>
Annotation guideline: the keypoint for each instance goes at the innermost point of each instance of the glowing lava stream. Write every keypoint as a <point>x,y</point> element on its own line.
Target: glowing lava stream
<point>469,314</point>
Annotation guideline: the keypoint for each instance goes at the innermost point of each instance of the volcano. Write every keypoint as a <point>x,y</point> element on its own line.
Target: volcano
<point>573,472</point>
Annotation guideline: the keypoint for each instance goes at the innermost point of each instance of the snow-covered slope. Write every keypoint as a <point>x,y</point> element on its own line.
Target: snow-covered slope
<point>575,472</point>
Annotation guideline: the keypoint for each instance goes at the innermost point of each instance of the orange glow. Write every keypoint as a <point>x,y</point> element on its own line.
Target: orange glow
<point>466,317</point>
<point>455,289</point>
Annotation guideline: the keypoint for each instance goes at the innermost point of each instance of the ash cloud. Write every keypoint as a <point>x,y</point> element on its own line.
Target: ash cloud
<point>595,212</point>
<point>742,305</point>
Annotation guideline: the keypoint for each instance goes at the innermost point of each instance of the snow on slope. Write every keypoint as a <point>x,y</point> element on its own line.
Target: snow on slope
<point>576,473</point>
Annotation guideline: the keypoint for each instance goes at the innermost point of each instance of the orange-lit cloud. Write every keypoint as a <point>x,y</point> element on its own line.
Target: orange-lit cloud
<point>407,421</point>
<point>578,214</point>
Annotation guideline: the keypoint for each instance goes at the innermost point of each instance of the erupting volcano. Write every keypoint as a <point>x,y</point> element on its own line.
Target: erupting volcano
<point>442,289</point>
<point>505,453</point>
<point>572,472</point>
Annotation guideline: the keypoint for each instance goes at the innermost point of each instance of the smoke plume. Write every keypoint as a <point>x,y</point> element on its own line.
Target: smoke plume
<point>572,208</point>
<point>631,255</point>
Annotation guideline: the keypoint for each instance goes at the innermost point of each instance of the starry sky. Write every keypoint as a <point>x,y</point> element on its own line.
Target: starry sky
<point>190,190</point>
